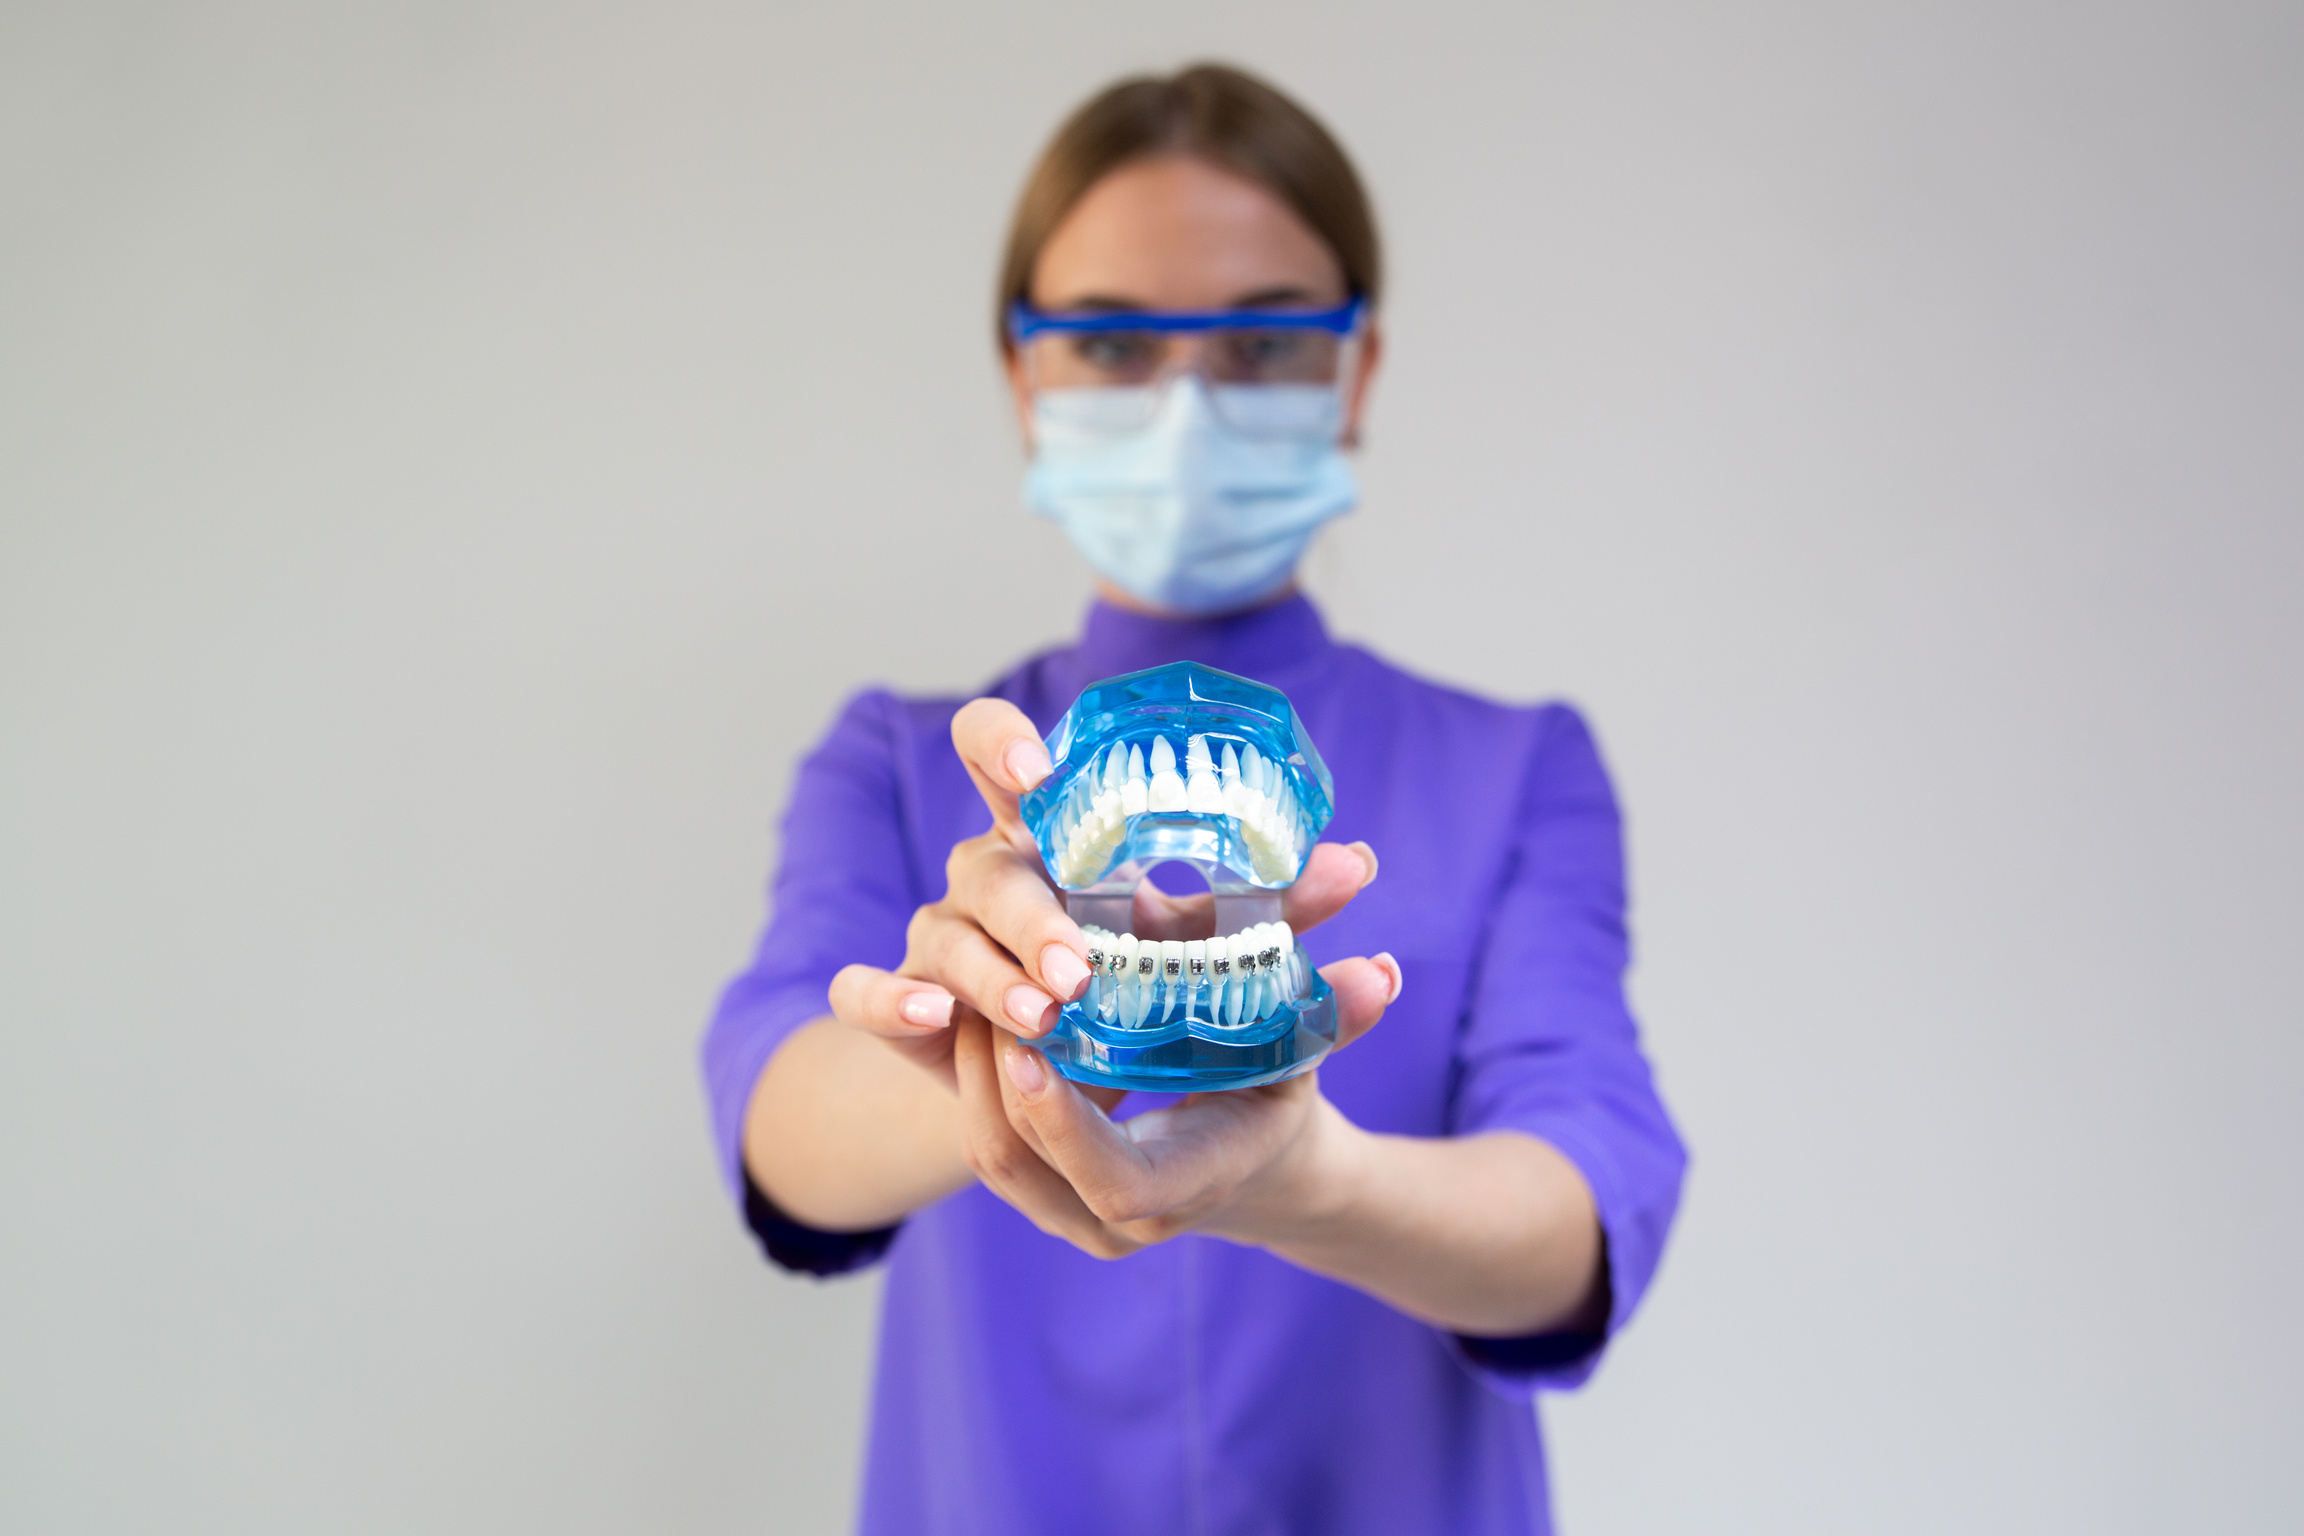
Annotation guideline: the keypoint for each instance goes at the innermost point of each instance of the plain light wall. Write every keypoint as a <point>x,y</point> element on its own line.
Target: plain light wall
<point>454,458</point>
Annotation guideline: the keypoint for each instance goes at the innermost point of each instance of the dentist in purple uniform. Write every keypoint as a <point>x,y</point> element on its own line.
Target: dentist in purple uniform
<point>1321,1306</point>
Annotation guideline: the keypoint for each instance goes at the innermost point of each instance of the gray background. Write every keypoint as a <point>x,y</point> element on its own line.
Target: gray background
<point>454,457</point>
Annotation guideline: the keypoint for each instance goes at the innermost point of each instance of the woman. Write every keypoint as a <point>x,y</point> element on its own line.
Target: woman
<point>1335,1296</point>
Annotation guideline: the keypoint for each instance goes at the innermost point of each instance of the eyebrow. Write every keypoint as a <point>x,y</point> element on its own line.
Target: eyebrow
<point>1273,298</point>
<point>1256,298</point>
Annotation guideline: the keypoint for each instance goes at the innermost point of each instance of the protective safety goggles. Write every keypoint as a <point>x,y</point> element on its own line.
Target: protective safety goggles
<point>1259,366</point>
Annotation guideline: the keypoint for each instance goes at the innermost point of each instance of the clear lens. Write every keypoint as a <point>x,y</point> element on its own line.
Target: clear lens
<point>1265,382</point>
<point>1112,411</point>
<point>1280,410</point>
<point>1273,357</point>
<point>1096,359</point>
<point>1247,355</point>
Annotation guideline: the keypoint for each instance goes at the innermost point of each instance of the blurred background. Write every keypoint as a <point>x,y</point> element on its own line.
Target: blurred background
<point>455,457</point>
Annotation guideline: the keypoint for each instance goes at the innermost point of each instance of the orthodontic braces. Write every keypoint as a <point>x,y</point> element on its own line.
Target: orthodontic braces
<point>1243,978</point>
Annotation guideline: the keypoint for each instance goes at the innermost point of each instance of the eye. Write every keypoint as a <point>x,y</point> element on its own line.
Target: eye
<point>1250,356</point>
<point>1124,354</point>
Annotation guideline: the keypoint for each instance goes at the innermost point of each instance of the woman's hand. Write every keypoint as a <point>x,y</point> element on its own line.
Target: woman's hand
<point>994,960</point>
<point>999,946</point>
<point>1253,1164</point>
<point>998,956</point>
<point>839,1133</point>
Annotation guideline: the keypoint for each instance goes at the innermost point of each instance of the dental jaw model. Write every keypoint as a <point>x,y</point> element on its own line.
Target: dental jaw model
<point>1185,764</point>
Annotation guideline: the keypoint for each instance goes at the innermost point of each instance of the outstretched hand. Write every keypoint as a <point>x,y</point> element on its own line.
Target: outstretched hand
<point>1000,943</point>
<point>996,958</point>
<point>1246,1163</point>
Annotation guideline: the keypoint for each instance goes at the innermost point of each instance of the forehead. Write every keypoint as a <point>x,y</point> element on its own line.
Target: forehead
<point>1179,233</point>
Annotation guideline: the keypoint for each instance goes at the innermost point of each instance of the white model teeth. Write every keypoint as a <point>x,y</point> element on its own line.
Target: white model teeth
<point>1241,979</point>
<point>1200,789</point>
<point>1247,786</point>
<point>1167,788</point>
<point>1133,789</point>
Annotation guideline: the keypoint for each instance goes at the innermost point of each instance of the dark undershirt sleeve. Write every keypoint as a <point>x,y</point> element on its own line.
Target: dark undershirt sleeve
<point>806,1250</point>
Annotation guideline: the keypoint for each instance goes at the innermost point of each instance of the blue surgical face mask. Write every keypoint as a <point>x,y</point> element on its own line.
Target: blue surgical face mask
<point>1206,506</point>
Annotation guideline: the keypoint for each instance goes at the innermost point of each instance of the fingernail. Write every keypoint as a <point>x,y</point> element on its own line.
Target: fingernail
<point>929,1008</point>
<point>1027,1006</point>
<point>1025,1071</point>
<point>1065,972</point>
<point>1369,854</point>
<point>1027,764</point>
<point>1399,977</point>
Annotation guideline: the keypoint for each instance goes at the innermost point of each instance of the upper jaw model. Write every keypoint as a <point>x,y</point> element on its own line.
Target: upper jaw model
<point>1121,783</point>
<point>1185,764</point>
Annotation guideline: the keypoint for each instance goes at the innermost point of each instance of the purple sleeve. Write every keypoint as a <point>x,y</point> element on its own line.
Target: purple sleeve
<point>845,888</point>
<point>1550,1047</point>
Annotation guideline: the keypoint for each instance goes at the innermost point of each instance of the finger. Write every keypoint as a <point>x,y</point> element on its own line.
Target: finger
<point>1106,1170</point>
<point>1003,754</point>
<point>1005,1164</point>
<point>1105,1099</point>
<point>892,1007</point>
<point>1012,1103</point>
<point>954,951</point>
<point>1333,875</point>
<point>1158,915</point>
<point>1014,905</point>
<point>1364,989</point>
<point>1003,1159</point>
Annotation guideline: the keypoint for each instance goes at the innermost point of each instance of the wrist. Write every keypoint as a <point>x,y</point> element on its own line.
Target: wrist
<point>1314,1187</point>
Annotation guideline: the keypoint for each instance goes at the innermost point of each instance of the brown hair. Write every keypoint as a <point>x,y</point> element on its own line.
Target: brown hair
<point>1223,115</point>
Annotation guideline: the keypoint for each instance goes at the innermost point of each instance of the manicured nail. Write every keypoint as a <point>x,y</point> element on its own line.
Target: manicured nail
<point>1065,972</point>
<point>1025,1071</point>
<point>928,1008</point>
<point>1027,1006</point>
<point>1399,978</point>
<point>1027,764</point>
<point>1369,854</point>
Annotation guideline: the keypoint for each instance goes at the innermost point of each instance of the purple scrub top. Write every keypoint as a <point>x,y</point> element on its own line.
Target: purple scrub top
<point>1199,1386</point>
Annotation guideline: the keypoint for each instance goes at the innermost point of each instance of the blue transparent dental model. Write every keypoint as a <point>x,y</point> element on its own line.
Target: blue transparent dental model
<point>1190,765</point>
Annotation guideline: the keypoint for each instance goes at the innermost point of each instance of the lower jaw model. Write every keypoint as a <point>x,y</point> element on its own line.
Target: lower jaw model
<point>1241,979</point>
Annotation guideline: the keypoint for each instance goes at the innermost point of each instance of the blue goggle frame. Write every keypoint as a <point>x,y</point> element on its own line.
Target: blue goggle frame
<point>1025,322</point>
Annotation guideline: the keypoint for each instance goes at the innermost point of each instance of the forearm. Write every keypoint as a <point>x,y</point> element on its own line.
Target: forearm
<point>1492,1235</point>
<point>844,1134</point>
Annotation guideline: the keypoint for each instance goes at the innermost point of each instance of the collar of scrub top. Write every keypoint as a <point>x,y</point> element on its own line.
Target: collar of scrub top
<point>1025,322</point>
